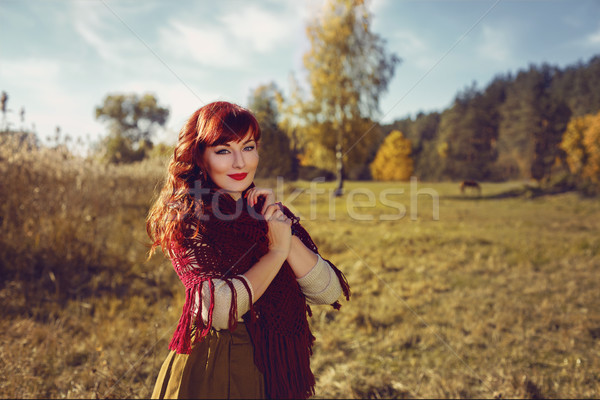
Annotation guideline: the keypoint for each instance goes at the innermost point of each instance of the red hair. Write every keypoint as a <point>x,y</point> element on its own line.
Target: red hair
<point>212,125</point>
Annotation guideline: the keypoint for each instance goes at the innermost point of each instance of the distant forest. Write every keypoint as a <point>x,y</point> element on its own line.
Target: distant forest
<point>511,129</point>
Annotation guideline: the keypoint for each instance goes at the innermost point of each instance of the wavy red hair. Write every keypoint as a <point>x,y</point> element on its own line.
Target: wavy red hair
<point>214,124</point>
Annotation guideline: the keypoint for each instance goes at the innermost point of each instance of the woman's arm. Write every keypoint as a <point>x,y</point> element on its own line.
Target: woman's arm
<point>301,258</point>
<point>317,283</point>
<point>263,272</point>
<point>312,272</point>
<point>258,278</point>
<point>320,285</point>
<point>222,300</point>
<point>314,275</point>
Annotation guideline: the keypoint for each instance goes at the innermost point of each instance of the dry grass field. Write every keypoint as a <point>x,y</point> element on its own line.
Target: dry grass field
<point>461,297</point>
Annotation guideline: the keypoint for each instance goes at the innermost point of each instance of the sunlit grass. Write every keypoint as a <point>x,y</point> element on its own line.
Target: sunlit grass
<point>495,298</point>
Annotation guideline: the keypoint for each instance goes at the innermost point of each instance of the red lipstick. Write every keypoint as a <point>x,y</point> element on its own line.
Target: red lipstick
<point>238,177</point>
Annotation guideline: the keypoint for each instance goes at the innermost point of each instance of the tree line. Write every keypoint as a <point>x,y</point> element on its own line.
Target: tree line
<point>514,128</point>
<point>511,129</point>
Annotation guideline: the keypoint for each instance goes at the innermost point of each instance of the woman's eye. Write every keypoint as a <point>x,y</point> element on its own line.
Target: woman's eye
<point>225,151</point>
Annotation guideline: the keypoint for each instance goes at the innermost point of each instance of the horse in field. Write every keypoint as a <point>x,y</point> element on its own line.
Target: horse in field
<point>472,185</point>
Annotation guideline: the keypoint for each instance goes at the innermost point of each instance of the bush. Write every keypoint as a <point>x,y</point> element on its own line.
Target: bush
<point>70,225</point>
<point>117,149</point>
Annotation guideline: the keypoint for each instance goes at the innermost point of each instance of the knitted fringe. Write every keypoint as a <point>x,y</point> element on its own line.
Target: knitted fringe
<point>181,341</point>
<point>284,362</point>
<point>191,323</point>
<point>343,283</point>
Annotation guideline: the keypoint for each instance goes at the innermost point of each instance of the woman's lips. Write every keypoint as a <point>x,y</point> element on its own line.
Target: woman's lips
<point>238,177</point>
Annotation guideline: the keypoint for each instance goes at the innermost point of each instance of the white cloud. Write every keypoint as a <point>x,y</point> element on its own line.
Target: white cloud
<point>593,39</point>
<point>208,46</point>
<point>105,33</point>
<point>495,44</point>
<point>236,38</point>
<point>41,78</point>
<point>412,48</point>
<point>89,25</point>
<point>30,71</point>
<point>378,6</point>
<point>38,85</point>
<point>261,29</point>
<point>409,42</point>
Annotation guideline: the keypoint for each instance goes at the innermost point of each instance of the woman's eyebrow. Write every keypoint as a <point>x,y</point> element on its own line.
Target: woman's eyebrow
<point>246,142</point>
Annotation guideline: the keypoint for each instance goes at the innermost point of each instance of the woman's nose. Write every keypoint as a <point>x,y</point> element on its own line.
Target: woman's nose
<point>238,160</point>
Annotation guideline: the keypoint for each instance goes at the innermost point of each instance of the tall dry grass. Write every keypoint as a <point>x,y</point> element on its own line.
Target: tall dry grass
<point>75,286</point>
<point>69,224</point>
<point>497,298</point>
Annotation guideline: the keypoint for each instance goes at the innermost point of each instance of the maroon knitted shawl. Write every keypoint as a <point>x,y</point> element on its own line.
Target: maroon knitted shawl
<point>231,238</point>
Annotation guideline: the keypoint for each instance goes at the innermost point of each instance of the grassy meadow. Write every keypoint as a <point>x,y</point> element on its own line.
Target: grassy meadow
<point>492,296</point>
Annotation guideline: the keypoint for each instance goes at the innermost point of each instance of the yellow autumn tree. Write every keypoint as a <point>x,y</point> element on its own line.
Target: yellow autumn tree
<point>393,161</point>
<point>581,143</point>
<point>591,143</point>
<point>348,69</point>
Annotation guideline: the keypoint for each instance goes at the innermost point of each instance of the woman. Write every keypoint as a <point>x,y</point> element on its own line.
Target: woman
<point>248,266</point>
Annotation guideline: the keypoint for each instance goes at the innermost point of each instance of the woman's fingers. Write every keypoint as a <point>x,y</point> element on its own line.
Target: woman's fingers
<point>253,194</point>
<point>269,212</point>
<point>274,212</point>
<point>269,199</point>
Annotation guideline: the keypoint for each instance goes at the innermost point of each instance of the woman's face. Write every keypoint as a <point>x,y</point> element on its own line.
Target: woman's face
<point>232,165</point>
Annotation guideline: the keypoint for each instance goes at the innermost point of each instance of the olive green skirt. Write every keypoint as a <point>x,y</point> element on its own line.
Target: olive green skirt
<point>220,366</point>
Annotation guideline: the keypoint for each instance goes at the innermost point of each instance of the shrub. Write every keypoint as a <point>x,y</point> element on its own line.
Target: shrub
<point>70,225</point>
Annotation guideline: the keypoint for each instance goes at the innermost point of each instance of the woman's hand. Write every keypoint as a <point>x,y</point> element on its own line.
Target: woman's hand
<point>280,237</point>
<point>253,194</point>
<point>280,232</point>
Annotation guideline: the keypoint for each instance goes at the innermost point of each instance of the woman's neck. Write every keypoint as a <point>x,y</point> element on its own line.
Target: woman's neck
<point>235,195</point>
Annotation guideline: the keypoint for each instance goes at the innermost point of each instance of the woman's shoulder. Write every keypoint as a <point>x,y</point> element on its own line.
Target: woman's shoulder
<point>195,239</point>
<point>194,229</point>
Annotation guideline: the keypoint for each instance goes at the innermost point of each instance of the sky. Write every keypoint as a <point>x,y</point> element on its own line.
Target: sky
<point>59,59</point>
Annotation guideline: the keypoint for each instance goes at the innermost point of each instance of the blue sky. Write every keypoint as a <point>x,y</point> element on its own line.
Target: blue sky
<point>60,58</point>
